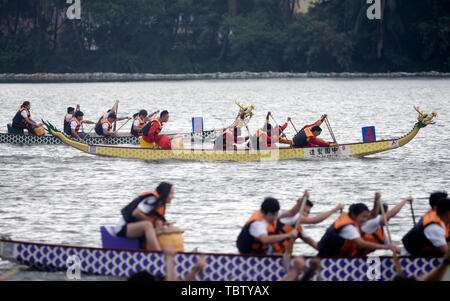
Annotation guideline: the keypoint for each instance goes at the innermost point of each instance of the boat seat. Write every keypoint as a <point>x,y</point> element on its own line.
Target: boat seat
<point>12,130</point>
<point>111,241</point>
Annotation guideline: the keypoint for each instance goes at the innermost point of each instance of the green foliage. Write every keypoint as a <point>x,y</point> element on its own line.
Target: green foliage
<point>182,36</point>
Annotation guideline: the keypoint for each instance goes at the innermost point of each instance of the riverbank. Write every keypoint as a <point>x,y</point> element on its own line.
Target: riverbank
<point>108,77</point>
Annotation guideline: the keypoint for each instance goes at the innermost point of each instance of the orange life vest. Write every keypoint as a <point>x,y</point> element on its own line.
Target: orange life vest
<point>415,241</point>
<point>141,125</point>
<point>348,248</point>
<point>78,124</point>
<point>105,120</point>
<point>280,228</point>
<point>19,119</point>
<point>308,133</point>
<point>378,237</point>
<point>159,212</point>
<point>431,217</point>
<point>246,243</point>
<point>447,233</point>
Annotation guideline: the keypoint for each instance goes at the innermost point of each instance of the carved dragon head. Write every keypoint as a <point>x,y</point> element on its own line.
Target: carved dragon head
<point>244,109</point>
<point>425,118</point>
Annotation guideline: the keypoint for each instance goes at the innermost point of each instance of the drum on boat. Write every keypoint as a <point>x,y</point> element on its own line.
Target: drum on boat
<point>171,237</point>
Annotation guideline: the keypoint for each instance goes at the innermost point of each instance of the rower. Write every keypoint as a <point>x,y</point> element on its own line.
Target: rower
<point>254,237</point>
<point>106,125</point>
<point>307,136</point>
<point>22,120</point>
<point>68,118</point>
<point>372,230</point>
<point>262,138</point>
<point>285,225</point>
<point>278,131</point>
<point>228,140</point>
<point>151,131</point>
<point>267,136</point>
<point>428,238</point>
<point>145,215</point>
<point>343,237</point>
<point>138,123</point>
<point>75,125</point>
<point>113,110</point>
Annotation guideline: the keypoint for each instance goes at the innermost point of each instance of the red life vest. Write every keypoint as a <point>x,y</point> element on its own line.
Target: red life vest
<point>159,129</point>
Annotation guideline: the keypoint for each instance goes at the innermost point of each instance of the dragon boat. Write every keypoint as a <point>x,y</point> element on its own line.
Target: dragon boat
<point>220,267</point>
<point>124,138</point>
<point>358,149</point>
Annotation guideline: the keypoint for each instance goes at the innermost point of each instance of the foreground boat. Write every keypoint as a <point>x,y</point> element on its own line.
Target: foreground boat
<point>220,267</point>
<point>359,149</point>
<point>93,138</point>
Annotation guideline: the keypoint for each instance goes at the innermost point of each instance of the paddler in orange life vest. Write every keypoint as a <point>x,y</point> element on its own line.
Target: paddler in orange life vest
<point>99,127</point>
<point>267,136</point>
<point>75,125</point>
<point>140,119</point>
<point>106,125</point>
<point>230,137</point>
<point>343,237</point>
<point>285,225</point>
<point>146,214</point>
<point>277,132</point>
<point>254,237</point>
<point>138,123</point>
<point>372,229</point>
<point>68,118</point>
<point>307,136</point>
<point>151,131</point>
<point>22,119</point>
<point>429,237</point>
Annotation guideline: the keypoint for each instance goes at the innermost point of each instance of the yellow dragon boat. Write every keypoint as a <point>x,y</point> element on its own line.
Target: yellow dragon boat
<point>359,149</point>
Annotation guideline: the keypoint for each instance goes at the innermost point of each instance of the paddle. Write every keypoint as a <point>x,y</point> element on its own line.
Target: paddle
<point>293,126</point>
<point>153,114</point>
<point>394,253</point>
<point>276,123</point>
<point>412,212</point>
<point>288,252</point>
<point>107,139</point>
<point>327,122</point>
<point>115,122</point>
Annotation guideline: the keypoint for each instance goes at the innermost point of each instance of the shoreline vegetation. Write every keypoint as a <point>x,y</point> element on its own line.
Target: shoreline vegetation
<point>205,37</point>
<point>109,77</point>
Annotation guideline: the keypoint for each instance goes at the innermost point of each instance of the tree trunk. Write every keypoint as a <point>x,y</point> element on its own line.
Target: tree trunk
<point>286,11</point>
<point>232,8</point>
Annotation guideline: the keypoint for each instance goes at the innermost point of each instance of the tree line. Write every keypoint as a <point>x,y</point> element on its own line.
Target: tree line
<point>196,36</point>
